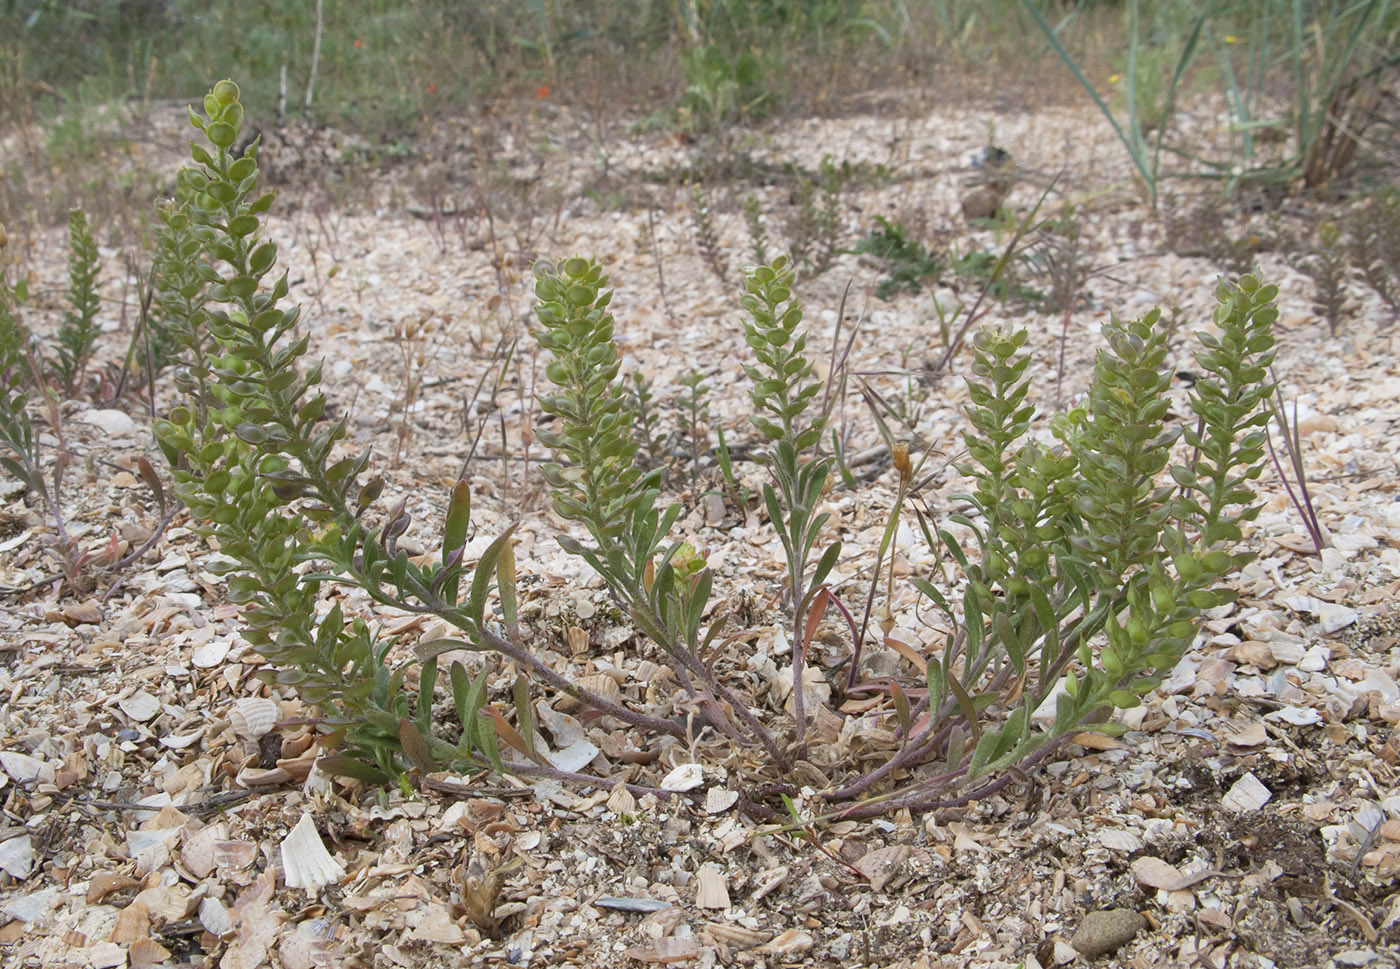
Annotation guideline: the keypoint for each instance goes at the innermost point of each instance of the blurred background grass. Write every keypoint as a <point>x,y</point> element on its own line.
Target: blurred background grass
<point>72,72</point>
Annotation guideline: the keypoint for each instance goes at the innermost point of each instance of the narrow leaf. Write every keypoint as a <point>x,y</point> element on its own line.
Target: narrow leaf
<point>523,714</point>
<point>415,747</point>
<point>901,708</point>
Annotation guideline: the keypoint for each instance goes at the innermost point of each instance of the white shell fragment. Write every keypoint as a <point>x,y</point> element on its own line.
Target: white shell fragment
<point>113,423</point>
<point>719,799</point>
<point>1117,839</point>
<point>621,801</point>
<point>1156,873</point>
<point>210,654</point>
<point>253,718</point>
<point>23,768</point>
<point>1247,794</point>
<point>17,856</point>
<point>1298,716</point>
<point>631,904</point>
<point>575,757</point>
<point>710,889</point>
<point>1330,615</point>
<point>215,917</point>
<point>140,706</point>
<point>686,777</point>
<point>305,861</point>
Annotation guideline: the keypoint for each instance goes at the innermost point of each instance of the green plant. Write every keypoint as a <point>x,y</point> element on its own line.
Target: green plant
<point>723,87</point>
<point>1329,54</point>
<point>77,335</point>
<point>1092,568</point>
<point>1082,543</point>
<point>646,424</point>
<point>814,228</point>
<point>906,264</point>
<point>1326,263</point>
<point>784,386</point>
<point>22,376</point>
<point>986,268</point>
<point>1373,245</point>
<point>16,377</point>
<point>706,235</point>
<point>692,413</point>
<point>602,489</point>
<point>758,229</point>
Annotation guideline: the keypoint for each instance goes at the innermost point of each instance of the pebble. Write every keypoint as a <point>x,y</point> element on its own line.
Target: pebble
<point>1102,932</point>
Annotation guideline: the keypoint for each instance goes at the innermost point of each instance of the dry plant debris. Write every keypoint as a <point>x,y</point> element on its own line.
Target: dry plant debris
<point>163,807</point>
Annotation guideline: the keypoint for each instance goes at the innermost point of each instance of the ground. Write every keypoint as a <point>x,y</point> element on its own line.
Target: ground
<point>1250,815</point>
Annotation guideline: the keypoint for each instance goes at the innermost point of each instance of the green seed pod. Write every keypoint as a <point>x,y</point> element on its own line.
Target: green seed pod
<point>1187,567</point>
<point>1162,599</point>
<point>225,92</point>
<point>1216,562</point>
<point>995,564</point>
<point>1201,599</point>
<point>1137,632</point>
<point>1111,663</point>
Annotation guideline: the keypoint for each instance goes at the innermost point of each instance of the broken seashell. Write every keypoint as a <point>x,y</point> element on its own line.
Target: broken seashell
<point>711,890</point>
<point>719,799</point>
<point>253,718</point>
<point>17,857</point>
<point>737,935</point>
<point>140,706</point>
<point>686,777</point>
<point>602,684</point>
<point>215,917</point>
<point>621,801</point>
<point>305,861</point>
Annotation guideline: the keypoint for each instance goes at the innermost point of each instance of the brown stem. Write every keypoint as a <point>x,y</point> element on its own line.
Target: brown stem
<point>564,685</point>
<point>929,801</point>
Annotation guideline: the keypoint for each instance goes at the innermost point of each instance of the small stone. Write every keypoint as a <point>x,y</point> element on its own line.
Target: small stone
<point>1102,932</point>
